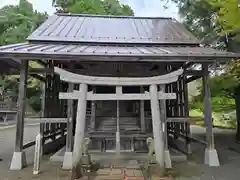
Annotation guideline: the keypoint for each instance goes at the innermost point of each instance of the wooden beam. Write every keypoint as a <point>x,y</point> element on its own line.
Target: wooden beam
<point>32,143</point>
<point>194,139</point>
<point>41,78</point>
<point>193,78</point>
<point>193,72</point>
<point>41,71</point>
<point>46,120</point>
<point>41,62</point>
<point>187,65</point>
<point>113,97</point>
<point>183,119</point>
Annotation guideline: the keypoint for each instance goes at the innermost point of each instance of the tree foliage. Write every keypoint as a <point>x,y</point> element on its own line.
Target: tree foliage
<point>217,23</point>
<point>16,24</point>
<point>213,21</point>
<point>102,7</point>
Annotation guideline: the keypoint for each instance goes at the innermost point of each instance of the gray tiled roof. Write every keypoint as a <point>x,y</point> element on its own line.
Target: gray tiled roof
<point>112,29</point>
<point>94,37</point>
<point>76,50</point>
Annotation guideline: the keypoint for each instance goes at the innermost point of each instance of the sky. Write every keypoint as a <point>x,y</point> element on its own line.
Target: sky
<point>141,7</point>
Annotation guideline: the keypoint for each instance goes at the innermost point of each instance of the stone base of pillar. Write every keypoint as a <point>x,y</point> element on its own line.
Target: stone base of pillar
<point>167,158</point>
<point>211,157</point>
<point>19,161</point>
<point>67,161</point>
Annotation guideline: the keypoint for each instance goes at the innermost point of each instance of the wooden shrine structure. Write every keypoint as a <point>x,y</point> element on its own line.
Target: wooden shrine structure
<point>117,80</point>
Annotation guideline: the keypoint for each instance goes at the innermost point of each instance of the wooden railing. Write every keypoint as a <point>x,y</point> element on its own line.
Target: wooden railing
<point>8,106</point>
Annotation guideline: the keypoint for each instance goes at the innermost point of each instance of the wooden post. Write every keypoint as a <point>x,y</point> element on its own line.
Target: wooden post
<point>167,157</point>
<point>67,161</point>
<point>42,125</point>
<point>48,102</point>
<point>157,128</point>
<point>19,158</point>
<point>176,110</point>
<point>37,154</point>
<point>211,156</point>
<point>54,107</point>
<point>142,112</point>
<point>118,146</point>
<point>79,132</point>
<point>186,113</point>
<point>93,114</point>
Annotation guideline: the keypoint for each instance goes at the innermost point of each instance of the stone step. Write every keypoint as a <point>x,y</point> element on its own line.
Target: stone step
<point>121,124</point>
<point>121,127</point>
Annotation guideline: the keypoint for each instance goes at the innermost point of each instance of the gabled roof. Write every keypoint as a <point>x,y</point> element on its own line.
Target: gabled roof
<point>117,38</point>
<point>112,29</point>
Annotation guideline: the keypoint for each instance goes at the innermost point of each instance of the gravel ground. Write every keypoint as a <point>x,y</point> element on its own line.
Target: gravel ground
<point>190,170</point>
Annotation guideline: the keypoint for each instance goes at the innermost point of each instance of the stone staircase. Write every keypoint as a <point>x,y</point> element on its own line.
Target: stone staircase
<point>109,124</point>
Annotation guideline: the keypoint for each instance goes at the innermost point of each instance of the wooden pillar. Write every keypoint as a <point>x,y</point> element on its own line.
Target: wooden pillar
<point>211,156</point>
<point>55,102</point>
<point>67,161</point>
<point>142,112</point>
<point>19,158</point>
<point>118,147</point>
<point>157,128</point>
<point>176,110</point>
<point>93,114</point>
<point>48,102</point>
<point>163,117</point>
<point>79,132</point>
<point>42,125</point>
<point>186,114</point>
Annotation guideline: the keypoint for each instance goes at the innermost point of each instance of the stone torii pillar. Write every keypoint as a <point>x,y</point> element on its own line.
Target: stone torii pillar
<point>80,129</point>
<point>157,127</point>
<point>163,120</point>
<point>81,96</point>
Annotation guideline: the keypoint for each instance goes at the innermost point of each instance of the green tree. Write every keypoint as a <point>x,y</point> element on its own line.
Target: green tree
<point>102,7</point>
<point>217,22</point>
<point>16,23</point>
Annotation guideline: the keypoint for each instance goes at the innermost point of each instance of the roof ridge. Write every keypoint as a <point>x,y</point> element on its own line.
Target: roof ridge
<point>110,16</point>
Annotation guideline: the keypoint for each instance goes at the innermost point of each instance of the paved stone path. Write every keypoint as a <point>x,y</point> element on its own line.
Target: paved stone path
<point>191,170</point>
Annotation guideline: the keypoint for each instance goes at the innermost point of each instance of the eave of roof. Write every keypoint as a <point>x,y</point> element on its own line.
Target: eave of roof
<point>126,53</point>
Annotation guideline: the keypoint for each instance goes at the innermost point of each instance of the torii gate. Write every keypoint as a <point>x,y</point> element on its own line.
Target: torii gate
<point>158,120</point>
